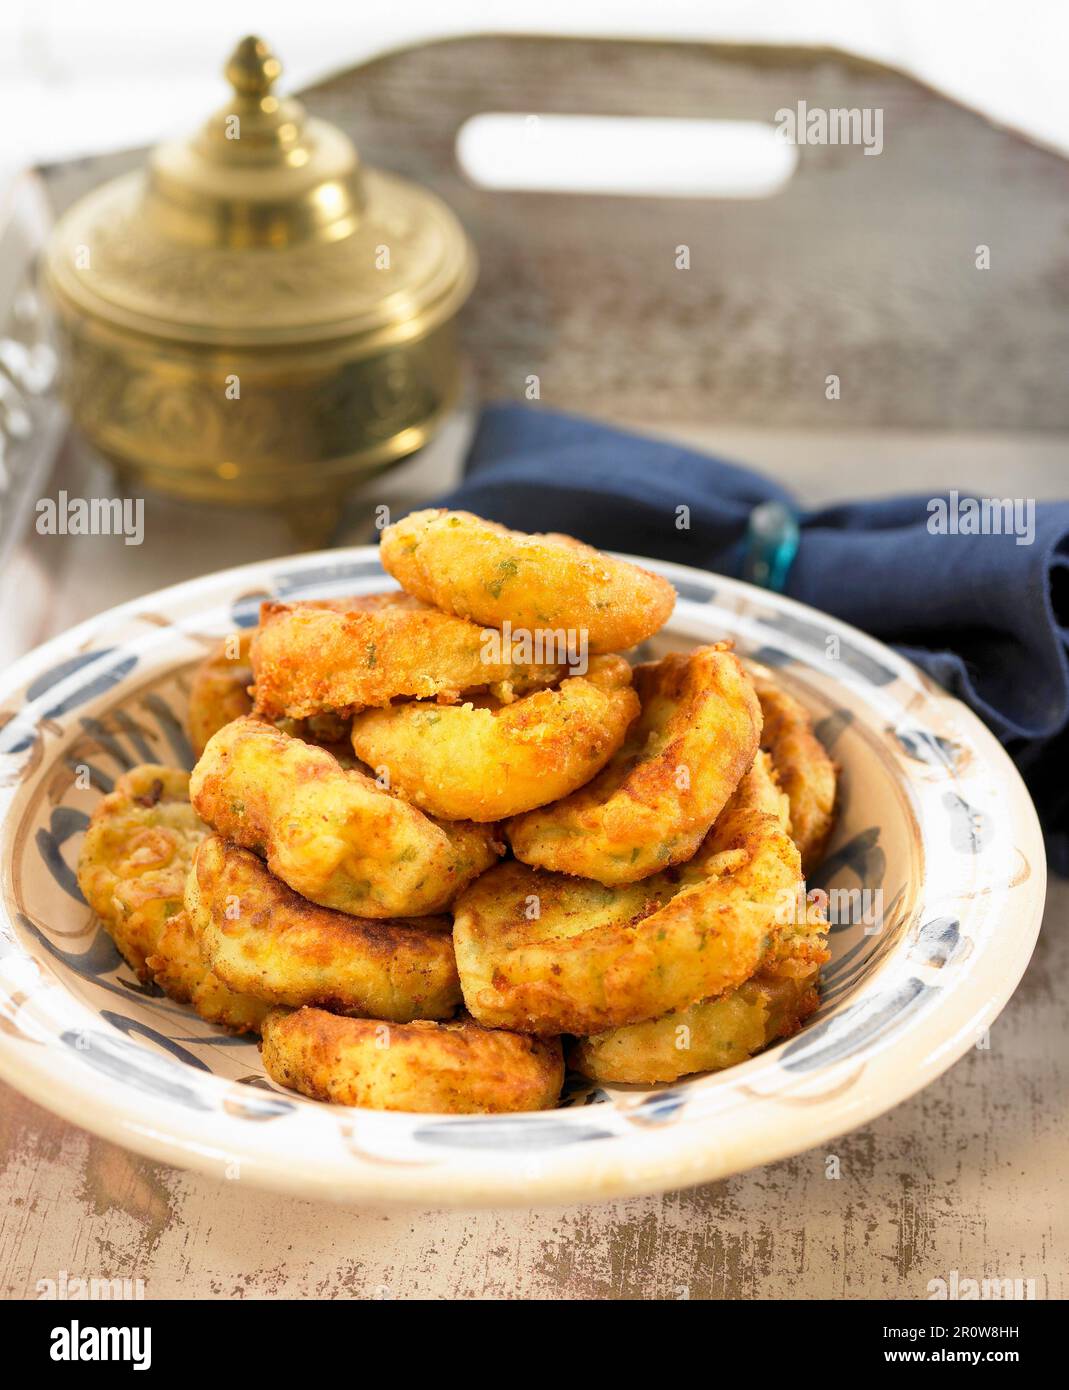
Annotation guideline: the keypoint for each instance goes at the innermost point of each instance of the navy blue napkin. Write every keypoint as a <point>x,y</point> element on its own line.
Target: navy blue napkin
<point>986,617</point>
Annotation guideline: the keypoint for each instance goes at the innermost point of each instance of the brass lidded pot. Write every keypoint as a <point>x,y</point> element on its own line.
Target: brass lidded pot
<point>257,317</point>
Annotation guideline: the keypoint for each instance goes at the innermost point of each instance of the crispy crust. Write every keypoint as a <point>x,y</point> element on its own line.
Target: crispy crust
<point>332,835</point>
<point>220,694</point>
<point>261,938</point>
<point>132,870</point>
<point>543,953</point>
<point>805,772</point>
<point>483,571</point>
<point>487,761</point>
<point>653,803</point>
<point>309,659</point>
<point>453,1068</point>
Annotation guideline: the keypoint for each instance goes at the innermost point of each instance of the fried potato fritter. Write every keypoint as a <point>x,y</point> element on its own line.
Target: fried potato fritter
<point>804,770</point>
<point>708,1036</point>
<point>485,572</point>
<point>653,803</point>
<point>180,970</point>
<point>220,694</point>
<point>722,1031</point>
<point>544,953</point>
<point>485,761</point>
<point>135,857</point>
<point>308,659</point>
<point>132,870</point>
<point>220,690</point>
<point>262,938</point>
<point>453,1068</point>
<point>332,835</point>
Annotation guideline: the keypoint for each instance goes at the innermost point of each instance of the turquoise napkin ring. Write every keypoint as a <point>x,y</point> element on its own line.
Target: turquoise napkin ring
<point>770,547</point>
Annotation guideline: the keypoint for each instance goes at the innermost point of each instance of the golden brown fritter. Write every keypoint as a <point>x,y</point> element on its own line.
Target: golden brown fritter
<point>132,870</point>
<point>308,659</point>
<point>135,857</point>
<point>485,572</point>
<point>804,770</point>
<point>653,803</point>
<point>452,1068</point>
<point>544,953</point>
<point>484,761</point>
<point>220,693</point>
<point>220,690</point>
<point>180,970</point>
<point>722,1031</point>
<point>333,835</point>
<point>262,938</point>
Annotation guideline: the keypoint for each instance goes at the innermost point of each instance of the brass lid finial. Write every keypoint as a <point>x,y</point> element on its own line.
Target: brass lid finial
<point>259,172</point>
<point>252,69</point>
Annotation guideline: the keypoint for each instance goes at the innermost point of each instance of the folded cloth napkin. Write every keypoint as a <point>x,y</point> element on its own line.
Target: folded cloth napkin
<point>985,616</point>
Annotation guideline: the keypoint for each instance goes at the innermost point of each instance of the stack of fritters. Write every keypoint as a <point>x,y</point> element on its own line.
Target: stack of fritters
<point>435,836</point>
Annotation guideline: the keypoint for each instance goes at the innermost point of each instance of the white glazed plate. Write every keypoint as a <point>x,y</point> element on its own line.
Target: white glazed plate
<point>937,860</point>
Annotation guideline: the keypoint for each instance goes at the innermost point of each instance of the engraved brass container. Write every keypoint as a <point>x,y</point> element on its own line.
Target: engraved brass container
<point>257,317</point>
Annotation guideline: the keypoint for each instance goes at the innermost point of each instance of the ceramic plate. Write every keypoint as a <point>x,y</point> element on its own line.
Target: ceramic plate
<point>935,874</point>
